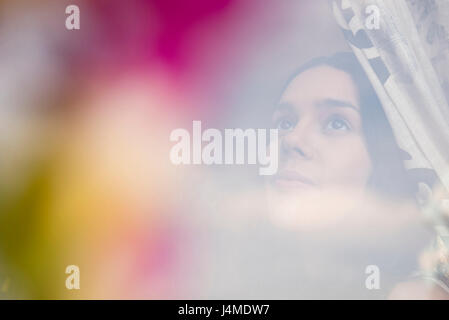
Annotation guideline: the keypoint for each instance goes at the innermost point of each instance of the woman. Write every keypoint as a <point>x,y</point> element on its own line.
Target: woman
<point>334,133</point>
<point>340,174</point>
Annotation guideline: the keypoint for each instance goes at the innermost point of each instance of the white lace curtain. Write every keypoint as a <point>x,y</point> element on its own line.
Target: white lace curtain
<point>406,57</point>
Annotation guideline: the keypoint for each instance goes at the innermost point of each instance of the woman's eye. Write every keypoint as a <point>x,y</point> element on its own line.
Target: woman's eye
<point>338,125</point>
<point>285,124</point>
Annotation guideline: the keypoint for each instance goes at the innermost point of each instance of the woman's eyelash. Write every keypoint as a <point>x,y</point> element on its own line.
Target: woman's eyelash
<point>334,123</point>
<point>337,123</point>
<point>284,123</point>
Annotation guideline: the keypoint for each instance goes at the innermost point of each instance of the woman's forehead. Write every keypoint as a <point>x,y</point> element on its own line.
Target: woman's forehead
<point>318,84</point>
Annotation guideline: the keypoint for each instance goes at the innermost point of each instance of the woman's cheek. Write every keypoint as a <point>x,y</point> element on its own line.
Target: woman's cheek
<point>348,162</point>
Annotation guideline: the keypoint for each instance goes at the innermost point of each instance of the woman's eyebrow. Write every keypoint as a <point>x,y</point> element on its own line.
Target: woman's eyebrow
<point>284,107</point>
<point>337,103</point>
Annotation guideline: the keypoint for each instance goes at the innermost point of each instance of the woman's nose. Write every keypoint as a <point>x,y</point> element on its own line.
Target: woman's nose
<point>299,142</point>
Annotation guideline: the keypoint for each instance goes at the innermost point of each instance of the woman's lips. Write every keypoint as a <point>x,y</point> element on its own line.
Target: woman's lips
<point>292,179</point>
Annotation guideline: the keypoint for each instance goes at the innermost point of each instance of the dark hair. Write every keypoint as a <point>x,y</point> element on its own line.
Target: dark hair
<point>389,176</point>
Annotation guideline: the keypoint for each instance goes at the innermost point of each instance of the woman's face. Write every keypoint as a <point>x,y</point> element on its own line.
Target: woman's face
<point>322,147</point>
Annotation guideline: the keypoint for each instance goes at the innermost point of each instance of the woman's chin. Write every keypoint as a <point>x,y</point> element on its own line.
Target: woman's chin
<point>292,186</point>
<point>303,207</point>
